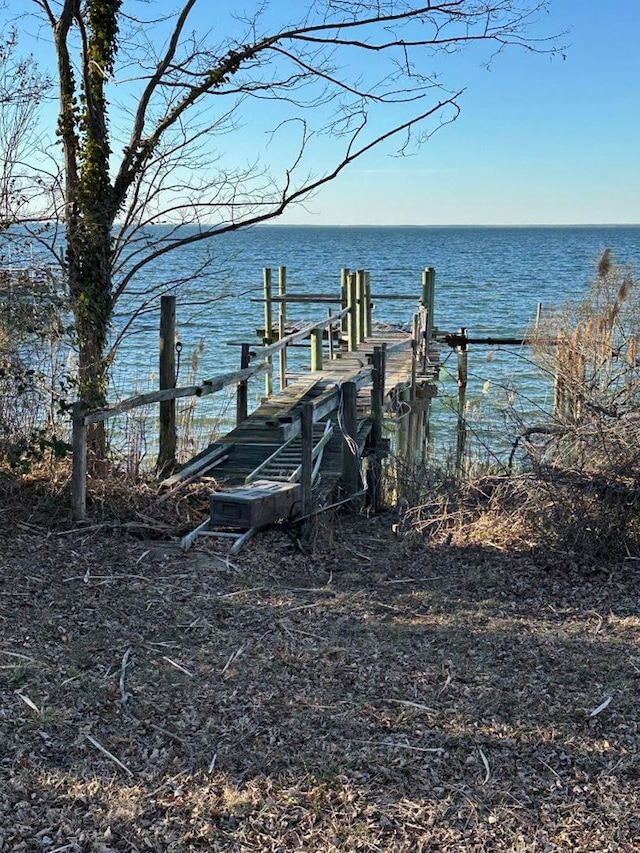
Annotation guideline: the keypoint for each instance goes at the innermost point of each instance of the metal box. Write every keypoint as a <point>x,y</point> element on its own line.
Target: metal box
<point>263,502</point>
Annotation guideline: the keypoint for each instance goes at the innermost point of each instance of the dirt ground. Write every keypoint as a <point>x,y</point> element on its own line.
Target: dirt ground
<point>373,696</point>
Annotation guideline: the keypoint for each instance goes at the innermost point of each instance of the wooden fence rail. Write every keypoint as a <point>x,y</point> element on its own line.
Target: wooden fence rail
<point>82,418</point>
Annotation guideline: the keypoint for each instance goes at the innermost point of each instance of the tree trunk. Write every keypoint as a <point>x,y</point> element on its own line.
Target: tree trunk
<point>88,254</point>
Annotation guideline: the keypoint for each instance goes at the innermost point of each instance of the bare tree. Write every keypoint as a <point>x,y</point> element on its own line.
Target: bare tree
<point>22,88</point>
<point>151,111</point>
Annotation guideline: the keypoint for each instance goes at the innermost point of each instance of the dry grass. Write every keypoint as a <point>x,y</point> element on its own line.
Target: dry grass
<point>558,513</point>
<point>374,696</point>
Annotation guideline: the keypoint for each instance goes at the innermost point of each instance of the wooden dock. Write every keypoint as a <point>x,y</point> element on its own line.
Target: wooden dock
<point>317,426</point>
<point>233,458</point>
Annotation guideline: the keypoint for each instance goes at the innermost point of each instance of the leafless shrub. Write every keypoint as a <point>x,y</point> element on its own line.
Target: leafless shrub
<point>573,483</point>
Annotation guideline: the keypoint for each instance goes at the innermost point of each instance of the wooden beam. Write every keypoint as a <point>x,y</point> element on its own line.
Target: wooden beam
<point>350,459</point>
<point>167,374</point>
<point>209,386</point>
<point>79,463</point>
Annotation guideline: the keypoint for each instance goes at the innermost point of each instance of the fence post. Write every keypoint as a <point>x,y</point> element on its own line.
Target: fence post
<point>79,462</point>
<point>168,438</point>
<point>242,390</point>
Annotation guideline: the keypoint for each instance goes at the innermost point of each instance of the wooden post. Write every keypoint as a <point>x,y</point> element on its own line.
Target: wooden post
<point>462,400</point>
<point>282,355</point>
<point>413,429</point>
<point>332,354</point>
<point>367,303</point>
<point>268,325</point>
<point>350,459</point>
<point>402,433</point>
<point>79,463</point>
<point>282,322</point>
<point>306,467</point>
<point>374,472</point>
<point>429,302</point>
<point>361,307</point>
<point>316,349</point>
<point>242,391</point>
<point>344,298</point>
<point>352,316</point>
<point>168,437</point>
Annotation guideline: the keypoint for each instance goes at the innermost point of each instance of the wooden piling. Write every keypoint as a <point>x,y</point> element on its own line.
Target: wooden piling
<point>316,349</point>
<point>332,353</point>
<point>462,373</point>
<point>167,373</point>
<point>352,316</point>
<point>402,429</point>
<point>413,453</point>
<point>282,322</point>
<point>361,308</point>
<point>368,306</point>
<point>242,391</point>
<point>268,325</point>
<point>429,300</point>
<point>344,298</point>
<point>350,459</point>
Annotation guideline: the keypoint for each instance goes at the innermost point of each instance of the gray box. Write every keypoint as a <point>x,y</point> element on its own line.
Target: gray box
<point>263,502</point>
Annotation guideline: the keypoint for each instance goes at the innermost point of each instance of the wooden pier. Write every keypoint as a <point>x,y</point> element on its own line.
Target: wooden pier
<point>317,427</point>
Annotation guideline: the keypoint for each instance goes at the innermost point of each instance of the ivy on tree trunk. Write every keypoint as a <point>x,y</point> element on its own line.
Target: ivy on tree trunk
<point>90,204</point>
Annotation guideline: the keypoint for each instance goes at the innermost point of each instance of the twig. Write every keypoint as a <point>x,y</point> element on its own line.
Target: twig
<point>413,705</point>
<point>437,749</point>
<point>110,755</point>
<point>486,766</point>
<point>124,696</point>
<point>292,631</point>
<point>308,606</point>
<point>19,656</point>
<point>177,666</point>
<point>233,656</point>
<point>91,527</point>
<point>165,784</point>
<point>240,592</point>
<point>28,701</point>
<point>601,707</point>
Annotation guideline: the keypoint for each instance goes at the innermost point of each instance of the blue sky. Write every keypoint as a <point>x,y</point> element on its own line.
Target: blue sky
<point>540,140</point>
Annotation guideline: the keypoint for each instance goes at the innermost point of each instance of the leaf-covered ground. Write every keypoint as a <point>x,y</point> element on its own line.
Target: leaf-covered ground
<point>372,696</point>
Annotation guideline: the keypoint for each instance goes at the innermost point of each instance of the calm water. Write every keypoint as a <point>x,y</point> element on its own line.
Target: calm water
<point>489,280</point>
